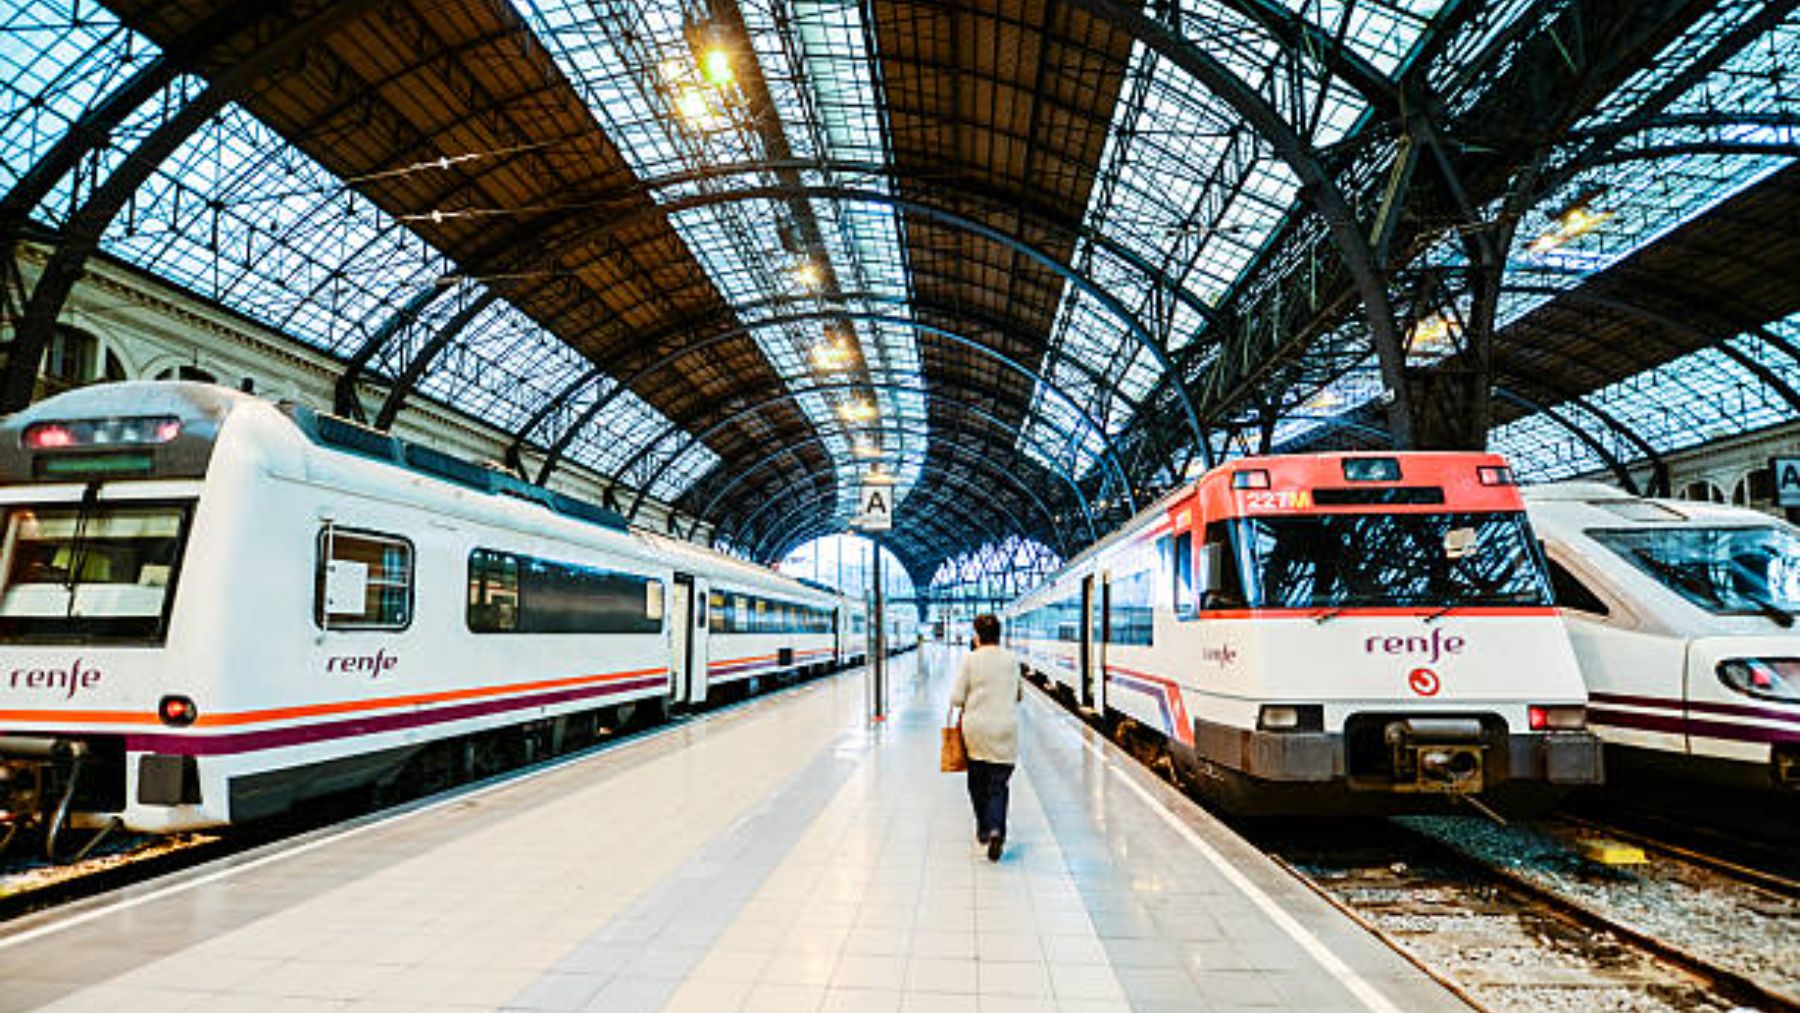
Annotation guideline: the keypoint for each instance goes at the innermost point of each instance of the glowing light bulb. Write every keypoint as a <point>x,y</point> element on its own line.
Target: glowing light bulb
<point>715,66</point>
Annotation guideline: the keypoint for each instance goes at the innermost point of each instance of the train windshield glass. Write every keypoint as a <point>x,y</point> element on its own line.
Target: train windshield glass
<point>1726,571</point>
<point>1392,559</point>
<point>78,574</point>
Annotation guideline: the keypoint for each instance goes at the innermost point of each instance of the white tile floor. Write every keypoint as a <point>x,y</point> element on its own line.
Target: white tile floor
<point>781,857</point>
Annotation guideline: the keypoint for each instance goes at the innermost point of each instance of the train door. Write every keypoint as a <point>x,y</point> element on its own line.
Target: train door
<point>699,641</point>
<point>1102,623</point>
<point>1090,601</point>
<point>681,635</point>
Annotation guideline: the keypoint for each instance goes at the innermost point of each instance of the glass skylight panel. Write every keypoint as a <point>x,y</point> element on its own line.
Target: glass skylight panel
<point>56,61</point>
<point>1636,203</point>
<point>1191,191</point>
<point>1699,398</point>
<point>1487,24</point>
<point>503,367</point>
<point>634,64</point>
<point>238,216</point>
<point>1382,33</point>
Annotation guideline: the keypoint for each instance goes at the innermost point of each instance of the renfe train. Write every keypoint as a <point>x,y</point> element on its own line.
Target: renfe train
<point>212,606</point>
<point>1682,616</point>
<point>1340,632</point>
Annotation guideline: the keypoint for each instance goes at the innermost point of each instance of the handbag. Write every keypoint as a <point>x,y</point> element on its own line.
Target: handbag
<point>953,755</point>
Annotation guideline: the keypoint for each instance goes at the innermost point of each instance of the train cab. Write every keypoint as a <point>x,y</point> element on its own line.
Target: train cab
<point>1339,630</point>
<point>1682,615</point>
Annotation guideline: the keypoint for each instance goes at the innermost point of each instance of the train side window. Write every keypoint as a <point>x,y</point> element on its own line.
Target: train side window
<point>363,580</point>
<point>1225,588</point>
<point>493,591</point>
<point>716,606</point>
<point>1184,575</point>
<point>1571,593</point>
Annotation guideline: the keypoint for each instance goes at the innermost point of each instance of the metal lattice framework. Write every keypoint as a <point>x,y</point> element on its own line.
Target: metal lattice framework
<point>1039,259</point>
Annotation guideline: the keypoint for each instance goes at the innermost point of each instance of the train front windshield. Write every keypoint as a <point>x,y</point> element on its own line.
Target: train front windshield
<point>1389,559</point>
<point>82,573</point>
<point>1726,571</point>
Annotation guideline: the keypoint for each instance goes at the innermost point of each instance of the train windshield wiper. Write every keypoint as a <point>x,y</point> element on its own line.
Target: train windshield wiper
<point>1776,614</point>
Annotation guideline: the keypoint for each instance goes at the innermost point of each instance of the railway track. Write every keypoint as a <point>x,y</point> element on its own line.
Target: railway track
<point>1509,933</point>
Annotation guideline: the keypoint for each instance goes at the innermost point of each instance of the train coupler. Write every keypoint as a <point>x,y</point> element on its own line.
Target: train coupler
<point>1444,755</point>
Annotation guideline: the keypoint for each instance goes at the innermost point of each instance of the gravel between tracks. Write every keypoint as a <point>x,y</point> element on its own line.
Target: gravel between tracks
<point>1730,924</point>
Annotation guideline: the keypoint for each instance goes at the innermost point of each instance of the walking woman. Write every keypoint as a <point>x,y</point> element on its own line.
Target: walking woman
<point>988,691</point>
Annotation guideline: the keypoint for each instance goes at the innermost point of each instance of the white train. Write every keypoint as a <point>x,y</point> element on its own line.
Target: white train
<point>1330,632</point>
<point>212,607</point>
<point>1682,616</point>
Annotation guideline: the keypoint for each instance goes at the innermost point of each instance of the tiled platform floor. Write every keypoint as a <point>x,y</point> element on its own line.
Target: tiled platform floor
<point>779,857</point>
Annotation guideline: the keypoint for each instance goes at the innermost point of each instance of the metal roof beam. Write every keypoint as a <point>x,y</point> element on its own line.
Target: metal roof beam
<point>741,474</point>
<point>794,393</point>
<point>556,451</point>
<point>1113,306</point>
<point>815,498</point>
<point>1317,189</point>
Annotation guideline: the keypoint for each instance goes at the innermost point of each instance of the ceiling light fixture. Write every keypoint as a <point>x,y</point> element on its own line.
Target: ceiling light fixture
<point>832,355</point>
<point>857,411</point>
<point>715,66</point>
<point>1575,220</point>
<point>808,274</point>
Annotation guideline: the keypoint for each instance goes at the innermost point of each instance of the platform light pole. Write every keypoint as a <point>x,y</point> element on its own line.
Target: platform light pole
<point>875,513</point>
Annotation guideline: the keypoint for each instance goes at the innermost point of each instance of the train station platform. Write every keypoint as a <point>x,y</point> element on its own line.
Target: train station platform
<point>780,856</point>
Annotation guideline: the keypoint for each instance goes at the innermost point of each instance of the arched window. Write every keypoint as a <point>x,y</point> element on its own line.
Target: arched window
<point>1703,491</point>
<point>75,359</point>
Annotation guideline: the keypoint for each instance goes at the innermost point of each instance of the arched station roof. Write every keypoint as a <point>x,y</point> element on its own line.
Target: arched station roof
<point>1038,258</point>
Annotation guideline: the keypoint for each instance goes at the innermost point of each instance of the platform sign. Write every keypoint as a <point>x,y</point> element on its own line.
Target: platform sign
<point>875,508</point>
<point>1787,480</point>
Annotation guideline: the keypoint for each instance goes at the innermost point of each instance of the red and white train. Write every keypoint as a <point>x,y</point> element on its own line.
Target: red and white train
<point>1329,632</point>
<point>1682,616</point>
<point>212,607</point>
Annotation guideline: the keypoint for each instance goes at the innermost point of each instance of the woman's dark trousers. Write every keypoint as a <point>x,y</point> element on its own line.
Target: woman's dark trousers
<point>987,791</point>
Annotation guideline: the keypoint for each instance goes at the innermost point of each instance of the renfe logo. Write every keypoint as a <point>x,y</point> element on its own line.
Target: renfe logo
<point>1224,655</point>
<point>1433,647</point>
<point>373,665</point>
<point>69,680</point>
<point>1424,682</point>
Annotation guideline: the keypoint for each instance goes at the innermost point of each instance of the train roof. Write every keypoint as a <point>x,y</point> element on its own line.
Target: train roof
<point>203,407</point>
<point>713,562</point>
<point>1596,503</point>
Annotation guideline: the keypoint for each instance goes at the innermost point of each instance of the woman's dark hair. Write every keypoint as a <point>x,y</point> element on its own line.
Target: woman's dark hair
<point>987,628</point>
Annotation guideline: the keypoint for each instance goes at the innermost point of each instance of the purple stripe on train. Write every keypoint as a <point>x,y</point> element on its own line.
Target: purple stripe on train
<point>294,735</point>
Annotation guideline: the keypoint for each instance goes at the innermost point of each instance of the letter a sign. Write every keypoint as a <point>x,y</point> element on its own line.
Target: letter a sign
<point>876,509</point>
<point>1787,481</point>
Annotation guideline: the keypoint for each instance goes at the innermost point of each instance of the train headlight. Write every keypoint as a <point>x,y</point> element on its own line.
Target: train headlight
<point>147,430</point>
<point>1288,717</point>
<point>1766,678</point>
<point>177,711</point>
<point>1556,719</point>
